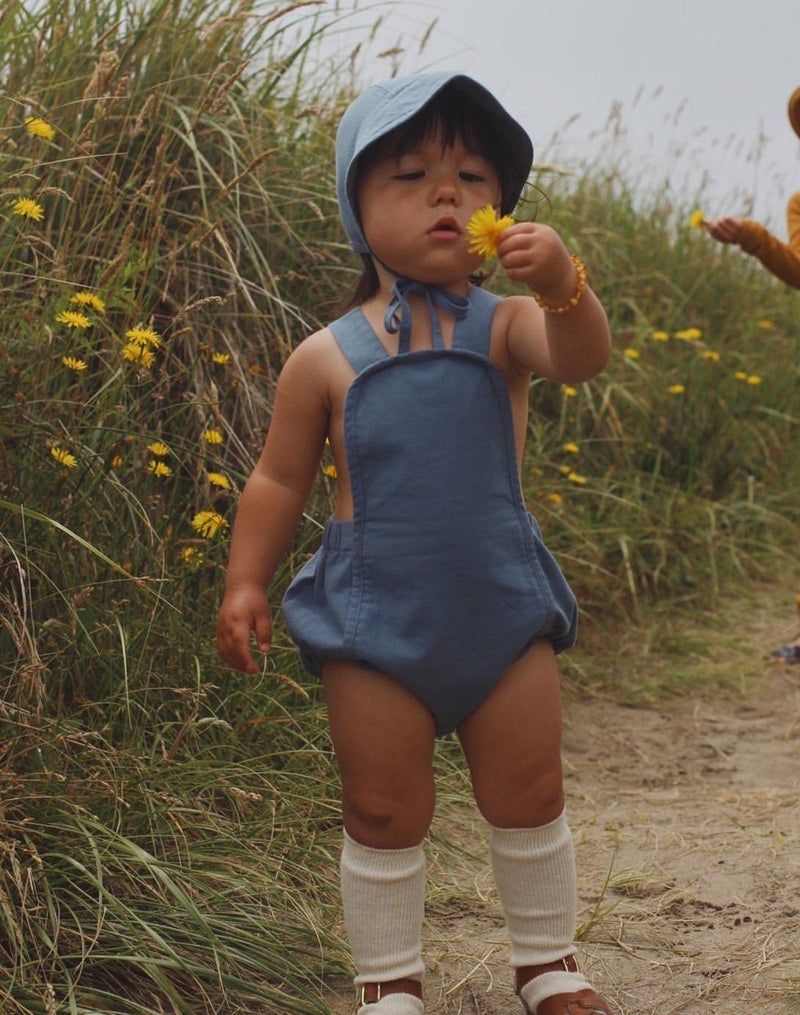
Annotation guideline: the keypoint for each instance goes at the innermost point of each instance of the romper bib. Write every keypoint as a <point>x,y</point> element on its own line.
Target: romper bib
<point>441,580</point>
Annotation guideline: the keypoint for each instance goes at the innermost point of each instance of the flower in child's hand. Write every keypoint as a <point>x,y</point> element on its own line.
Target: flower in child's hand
<point>697,220</point>
<point>485,227</point>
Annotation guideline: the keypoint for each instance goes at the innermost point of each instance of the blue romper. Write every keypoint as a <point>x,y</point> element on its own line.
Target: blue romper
<point>441,580</point>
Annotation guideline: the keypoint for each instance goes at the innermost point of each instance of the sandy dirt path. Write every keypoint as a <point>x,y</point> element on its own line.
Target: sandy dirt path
<point>686,821</point>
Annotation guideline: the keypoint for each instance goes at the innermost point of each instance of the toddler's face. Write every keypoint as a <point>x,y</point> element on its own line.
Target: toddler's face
<point>414,209</point>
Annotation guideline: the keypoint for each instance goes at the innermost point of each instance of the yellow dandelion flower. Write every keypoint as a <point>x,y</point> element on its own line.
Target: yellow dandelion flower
<point>143,336</point>
<point>631,353</point>
<point>697,220</point>
<point>256,368</point>
<point>740,375</point>
<point>39,128</point>
<point>555,498</point>
<point>221,358</point>
<point>569,392</point>
<point>212,436</point>
<point>160,469</point>
<point>689,334</point>
<point>116,461</point>
<point>219,479</point>
<point>73,319</point>
<point>766,325</point>
<point>485,227</point>
<point>64,457</point>
<point>330,471</point>
<point>191,555</point>
<point>676,389</point>
<point>87,299</point>
<point>28,208</point>
<point>135,353</point>
<point>565,469</point>
<point>159,449</point>
<point>571,448</point>
<point>209,523</point>
<point>709,354</point>
<point>574,477</point>
<point>659,336</point>
<point>753,379</point>
<point>71,363</point>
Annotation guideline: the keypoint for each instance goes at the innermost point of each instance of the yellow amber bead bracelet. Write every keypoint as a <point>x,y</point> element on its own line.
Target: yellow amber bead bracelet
<point>574,300</point>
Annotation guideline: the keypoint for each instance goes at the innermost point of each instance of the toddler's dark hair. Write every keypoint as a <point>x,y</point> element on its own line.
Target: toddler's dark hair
<point>450,116</point>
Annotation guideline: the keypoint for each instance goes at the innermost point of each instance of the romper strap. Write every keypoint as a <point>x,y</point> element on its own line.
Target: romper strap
<point>356,338</point>
<point>477,335</point>
<point>398,314</point>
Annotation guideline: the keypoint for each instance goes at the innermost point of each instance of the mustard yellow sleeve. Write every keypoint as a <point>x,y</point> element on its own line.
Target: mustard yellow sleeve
<point>782,259</point>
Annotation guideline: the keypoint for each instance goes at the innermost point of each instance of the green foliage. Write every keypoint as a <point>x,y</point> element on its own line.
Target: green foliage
<point>158,813</point>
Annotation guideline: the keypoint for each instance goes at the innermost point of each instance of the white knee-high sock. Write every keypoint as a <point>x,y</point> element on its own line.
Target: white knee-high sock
<point>534,870</point>
<point>383,896</point>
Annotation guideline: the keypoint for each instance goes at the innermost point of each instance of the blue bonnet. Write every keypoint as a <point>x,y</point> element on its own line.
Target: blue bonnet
<point>390,104</point>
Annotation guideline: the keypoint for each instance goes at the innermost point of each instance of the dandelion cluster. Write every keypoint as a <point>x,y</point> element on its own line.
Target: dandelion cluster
<point>39,128</point>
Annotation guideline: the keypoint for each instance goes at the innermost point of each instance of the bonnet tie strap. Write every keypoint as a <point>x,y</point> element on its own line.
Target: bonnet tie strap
<point>398,313</point>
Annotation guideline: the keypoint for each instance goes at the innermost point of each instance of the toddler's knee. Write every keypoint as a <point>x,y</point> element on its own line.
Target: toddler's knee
<point>385,823</point>
<point>524,804</point>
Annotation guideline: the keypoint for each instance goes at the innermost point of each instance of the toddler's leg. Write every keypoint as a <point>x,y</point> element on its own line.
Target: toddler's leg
<point>383,738</point>
<point>513,748</point>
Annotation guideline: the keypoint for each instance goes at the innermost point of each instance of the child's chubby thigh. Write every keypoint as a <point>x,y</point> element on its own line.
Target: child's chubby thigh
<point>384,740</point>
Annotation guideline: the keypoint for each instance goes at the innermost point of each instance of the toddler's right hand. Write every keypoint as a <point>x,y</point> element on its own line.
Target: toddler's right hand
<point>725,229</point>
<point>243,610</point>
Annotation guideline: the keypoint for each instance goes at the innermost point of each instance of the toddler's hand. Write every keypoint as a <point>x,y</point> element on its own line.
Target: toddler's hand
<point>243,610</point>
<point>725,229</point>
<point>534,254</point>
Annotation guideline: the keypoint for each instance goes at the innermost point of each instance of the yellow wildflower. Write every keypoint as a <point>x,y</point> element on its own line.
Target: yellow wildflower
<point>143,336</point>
<point>659,336</point>
<point>209,523</point>
<point>631,353</point>
<point>766,325</point>
<point>689,334</point>
<point>73,364</point>
<point>191,555</point>
<point>569,392</point>
<point>159,449</point>
<point>212,436</point>
<point>709,354</point>
<point>116,461</point>
<point>87,299</point>
<point>565,469</point>
<point>740,375</point>
<point>753,379</point>
<point>221,358</point>
<point>697,220</point>
<point>73,319</point>
<point>219,479</point>
<point>28,208</point>
<point>64,457</point>
<point>573,477</point>
<point>134,353</point>
<point>39,128</point>
<point>571,448</point>
<point>555,498</point>
<point>160,469</point>
<point>330,471</point>
<point>485,227</point>
<point>676,389</point>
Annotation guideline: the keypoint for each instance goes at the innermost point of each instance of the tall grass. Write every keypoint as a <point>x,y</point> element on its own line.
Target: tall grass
<point>168,829</point>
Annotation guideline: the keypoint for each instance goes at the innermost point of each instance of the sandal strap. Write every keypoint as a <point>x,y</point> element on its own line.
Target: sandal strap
<point>371,993</point>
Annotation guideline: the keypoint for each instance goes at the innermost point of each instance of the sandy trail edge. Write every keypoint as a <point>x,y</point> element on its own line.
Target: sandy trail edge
<point>687,831</point>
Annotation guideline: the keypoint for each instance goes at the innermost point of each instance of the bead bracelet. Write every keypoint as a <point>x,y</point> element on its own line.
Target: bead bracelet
<point>576,297</point>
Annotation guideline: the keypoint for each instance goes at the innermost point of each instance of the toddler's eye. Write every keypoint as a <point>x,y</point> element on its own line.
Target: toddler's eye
<point>471,177</point>
<point>415,174</point>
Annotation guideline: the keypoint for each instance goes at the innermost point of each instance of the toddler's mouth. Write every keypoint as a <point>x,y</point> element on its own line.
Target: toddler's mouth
<point>445,227</point>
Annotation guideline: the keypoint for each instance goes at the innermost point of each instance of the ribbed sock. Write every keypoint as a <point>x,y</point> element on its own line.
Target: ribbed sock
<point>383,896</point>
<point>534,870</point>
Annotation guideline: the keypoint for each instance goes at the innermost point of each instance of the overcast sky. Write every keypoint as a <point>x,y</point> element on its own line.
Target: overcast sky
<point>701,85</point>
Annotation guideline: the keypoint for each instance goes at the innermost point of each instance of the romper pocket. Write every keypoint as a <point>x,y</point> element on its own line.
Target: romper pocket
<point>563,621</point>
